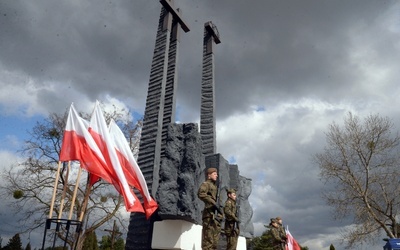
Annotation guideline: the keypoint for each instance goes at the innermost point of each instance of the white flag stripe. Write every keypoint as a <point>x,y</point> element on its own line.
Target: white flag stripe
<point>80,126</point>
<point>98,124</point>
<point>291,242</point>
<point>123,147</point>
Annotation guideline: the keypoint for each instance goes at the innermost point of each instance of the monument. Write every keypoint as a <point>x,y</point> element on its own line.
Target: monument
<point>173,157</point>
<point>207,111</point>
<point>159,112</point>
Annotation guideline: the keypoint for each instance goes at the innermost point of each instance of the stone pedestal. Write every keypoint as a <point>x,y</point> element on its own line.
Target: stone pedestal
<point>176,234</point>
<point>181,235</point>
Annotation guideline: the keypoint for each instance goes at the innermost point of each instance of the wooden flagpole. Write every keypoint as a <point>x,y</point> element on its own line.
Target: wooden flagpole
<point>64,191</point>
<point>85,199</point>
<point>54,190</point>
<point>74,195</point>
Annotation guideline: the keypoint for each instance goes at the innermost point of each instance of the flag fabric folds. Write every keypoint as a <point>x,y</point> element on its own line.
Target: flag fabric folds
<point>291,242</point>
<point>99,131</point>
<point>79,145</point>
<point>131,169</point>
<point>104,152</point>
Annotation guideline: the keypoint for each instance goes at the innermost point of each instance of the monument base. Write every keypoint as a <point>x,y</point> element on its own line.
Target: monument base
<point>181,235</point>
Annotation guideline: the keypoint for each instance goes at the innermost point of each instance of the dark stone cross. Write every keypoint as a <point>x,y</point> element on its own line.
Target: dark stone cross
<point>159,113</point>
<point>207,112</point>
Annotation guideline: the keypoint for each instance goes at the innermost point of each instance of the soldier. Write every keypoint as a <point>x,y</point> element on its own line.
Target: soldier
<point>211,220</point>
<point>231,220</point>
<point>277,240</point>
<point>282,231</point>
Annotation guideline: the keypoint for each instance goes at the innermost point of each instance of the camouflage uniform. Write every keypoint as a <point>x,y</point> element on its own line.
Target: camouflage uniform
<point>211,226</point>
<point>282,232</point>
<point>231,230</point>
<point>277,239</point>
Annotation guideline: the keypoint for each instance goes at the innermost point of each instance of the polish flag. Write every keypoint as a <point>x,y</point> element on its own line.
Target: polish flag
<point>79,145</point>
<point>291,242</point>
<point>98,130</point>
<point>131,169</point>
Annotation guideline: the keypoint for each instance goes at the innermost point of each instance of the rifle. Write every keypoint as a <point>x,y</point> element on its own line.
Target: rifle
<point>217,206</point>
<point>237,223</point>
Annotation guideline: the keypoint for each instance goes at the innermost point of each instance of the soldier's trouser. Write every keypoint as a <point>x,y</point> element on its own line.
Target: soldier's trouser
<point>232,234</point>
<point>231,242</point>
<point>210,234</point>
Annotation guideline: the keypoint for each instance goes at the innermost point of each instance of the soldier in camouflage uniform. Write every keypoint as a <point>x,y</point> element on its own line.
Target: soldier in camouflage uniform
<point>211,221</point>
<point>277,240</point>
<point>282,231</point>
<point>231,220</point>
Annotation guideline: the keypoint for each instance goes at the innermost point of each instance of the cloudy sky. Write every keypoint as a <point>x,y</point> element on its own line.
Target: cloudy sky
<point>285,70</point>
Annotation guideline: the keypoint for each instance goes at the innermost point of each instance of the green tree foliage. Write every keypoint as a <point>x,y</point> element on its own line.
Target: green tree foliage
<point>90,242</point>
<point>14,243</point>
<point>112,241</point>
<point>331,247</point>
<point>360,168</point>
<point>263,242</point>
<point>32,182</point>
<point>106,243</point>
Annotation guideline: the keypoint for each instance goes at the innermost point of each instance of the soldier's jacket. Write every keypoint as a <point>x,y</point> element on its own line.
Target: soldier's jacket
<point>208,194</point>
<point>282,232</point>
<point>230,210</point>
<point>277,240</point>
<point>231,229</point>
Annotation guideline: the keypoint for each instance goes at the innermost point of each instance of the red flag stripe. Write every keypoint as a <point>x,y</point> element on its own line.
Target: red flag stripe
<point>79,145</point>
<point>131,169</point>
<point>291,242</point>
<point>98,129</point>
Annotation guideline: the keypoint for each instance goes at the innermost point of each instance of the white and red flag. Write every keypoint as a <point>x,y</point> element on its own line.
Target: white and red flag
<point>99,131</point>
<point>79,145</point>
<point>131,169</point>
<point>291,242</point>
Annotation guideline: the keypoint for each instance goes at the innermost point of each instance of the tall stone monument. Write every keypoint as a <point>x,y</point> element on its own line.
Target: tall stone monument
<point>159,112</point>
<point>207,111</point>
<point>173,157</point>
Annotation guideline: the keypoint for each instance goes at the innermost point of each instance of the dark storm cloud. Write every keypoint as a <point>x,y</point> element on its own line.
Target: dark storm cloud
<point>270,50</point>
<point>279,50</point>
<point>91,45</point>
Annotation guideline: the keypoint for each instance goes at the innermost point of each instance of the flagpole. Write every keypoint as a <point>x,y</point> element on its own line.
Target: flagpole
<point>54,190</point>
<point>64,191</point>
<point>74,195</point>
<point>85,199</point>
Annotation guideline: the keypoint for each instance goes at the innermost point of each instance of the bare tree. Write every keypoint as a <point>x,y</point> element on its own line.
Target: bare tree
<point>360,166</point>
<point>32,182</point>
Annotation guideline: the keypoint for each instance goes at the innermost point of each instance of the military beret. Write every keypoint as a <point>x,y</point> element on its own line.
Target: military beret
<point>231,191</point>
<point>273,220</point>
<point>211,170</point>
